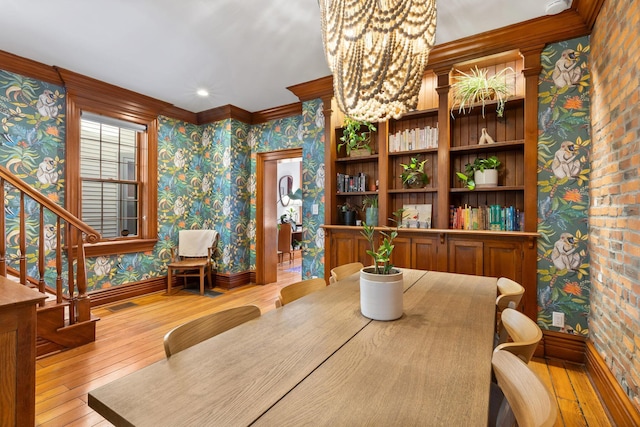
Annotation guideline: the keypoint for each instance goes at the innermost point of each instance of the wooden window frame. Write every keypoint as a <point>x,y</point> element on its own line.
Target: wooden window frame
<point>86,94</point>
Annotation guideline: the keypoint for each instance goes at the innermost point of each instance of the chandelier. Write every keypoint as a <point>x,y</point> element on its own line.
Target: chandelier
<point>377,51</point>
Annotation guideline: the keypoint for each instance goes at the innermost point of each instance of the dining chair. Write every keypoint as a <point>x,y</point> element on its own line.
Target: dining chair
<point>297,290</point>
<point>344,270</point>
<point>194,257</point>
<point>509,295</point>
<point>284,242</point>
<point>195,331</point>
<point>525,396</point>
<point>525,334</point>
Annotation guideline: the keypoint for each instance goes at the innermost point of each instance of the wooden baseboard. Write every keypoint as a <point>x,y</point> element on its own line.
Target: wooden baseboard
<point>620,407</point>
<point>563,346</point>
<point>130,290</point>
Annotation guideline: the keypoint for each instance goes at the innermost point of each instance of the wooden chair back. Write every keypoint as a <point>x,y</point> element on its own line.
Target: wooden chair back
<point>200,329</point>
<point>509,293</point>
<point>299,289</point>
<point>345,270</point>
<point>527,398</point>
<point>524,333</point>
<point>284,241</point>
<point>193,257</point>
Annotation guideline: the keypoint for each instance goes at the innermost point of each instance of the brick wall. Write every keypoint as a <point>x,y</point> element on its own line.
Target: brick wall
<point>614,214</point>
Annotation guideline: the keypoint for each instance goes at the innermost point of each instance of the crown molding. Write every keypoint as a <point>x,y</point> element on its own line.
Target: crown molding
<point>313,89</point>
<point>222,113</point>
<point>281,112</point>
<point>27,67</point>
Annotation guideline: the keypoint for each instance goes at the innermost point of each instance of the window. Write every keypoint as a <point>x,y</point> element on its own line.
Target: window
<point>109,174</point>
<point>111,159</point>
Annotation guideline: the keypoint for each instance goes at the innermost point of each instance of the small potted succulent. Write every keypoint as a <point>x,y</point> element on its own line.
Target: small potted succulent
<point>356,137</point>
<point>413,175</point>
<point>481,173</point>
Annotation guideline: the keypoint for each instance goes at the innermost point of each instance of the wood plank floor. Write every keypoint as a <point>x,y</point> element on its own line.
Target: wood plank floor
<point>129,337</point>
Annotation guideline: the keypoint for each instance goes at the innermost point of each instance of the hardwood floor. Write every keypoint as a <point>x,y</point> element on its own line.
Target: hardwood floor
<point>130,335</point>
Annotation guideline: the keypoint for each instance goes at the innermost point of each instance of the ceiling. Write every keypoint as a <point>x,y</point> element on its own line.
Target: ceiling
<point>244,52</point>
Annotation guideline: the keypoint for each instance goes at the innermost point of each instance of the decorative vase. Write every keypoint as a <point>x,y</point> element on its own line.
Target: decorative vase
<point>381,294</point>
<point>415,180</point>
<point>371,216</point>
<point>486,178</point>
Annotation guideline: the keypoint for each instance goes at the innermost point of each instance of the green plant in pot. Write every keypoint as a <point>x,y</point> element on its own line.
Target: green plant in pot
<point>474,173</point>
<point>477,87</point>
<point>381,285</point>
<point>413,175</point>
<point>348,213</point>
<point>370,206</point>
<point>356,135</point>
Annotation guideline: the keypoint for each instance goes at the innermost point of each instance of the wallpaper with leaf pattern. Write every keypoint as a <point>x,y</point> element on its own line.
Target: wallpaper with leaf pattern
<point>206,179</point>
<point>563,185</point>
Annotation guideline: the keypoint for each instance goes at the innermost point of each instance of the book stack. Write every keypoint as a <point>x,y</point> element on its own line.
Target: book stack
<point>494,217</point>
<point>352,183</point>
<point>414,139</point>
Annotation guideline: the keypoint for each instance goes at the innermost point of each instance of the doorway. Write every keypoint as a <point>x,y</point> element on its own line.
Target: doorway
<point>268,200</point>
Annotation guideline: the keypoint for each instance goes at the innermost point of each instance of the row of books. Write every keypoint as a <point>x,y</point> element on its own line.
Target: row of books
<point>352,183</point>
<point>493,217</point>
<point>414,139</point>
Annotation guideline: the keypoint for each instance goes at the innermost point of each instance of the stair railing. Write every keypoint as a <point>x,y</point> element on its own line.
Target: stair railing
<point>76,233</point>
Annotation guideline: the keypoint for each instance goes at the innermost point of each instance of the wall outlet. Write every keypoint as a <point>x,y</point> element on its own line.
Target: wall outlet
<point>558,319</point>
<point>314,209</point>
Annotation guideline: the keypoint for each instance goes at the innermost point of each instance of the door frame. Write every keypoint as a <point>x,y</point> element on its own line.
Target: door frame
<point>266,221</point>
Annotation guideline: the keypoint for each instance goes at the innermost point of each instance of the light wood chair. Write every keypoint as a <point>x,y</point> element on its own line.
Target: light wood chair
<point>284,242</point>
<point>194,258</point>
<point>200,329</point>
<point>297,290</point>
<point>345,270</point>
<point>509,295</point>
<point>524,333</point>
<point>526,397</point>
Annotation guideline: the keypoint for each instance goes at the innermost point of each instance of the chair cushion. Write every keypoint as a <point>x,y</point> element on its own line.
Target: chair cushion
<point>195,243</point>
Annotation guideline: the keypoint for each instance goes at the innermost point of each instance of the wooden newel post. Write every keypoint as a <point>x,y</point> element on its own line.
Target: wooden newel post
<point>83,306</point>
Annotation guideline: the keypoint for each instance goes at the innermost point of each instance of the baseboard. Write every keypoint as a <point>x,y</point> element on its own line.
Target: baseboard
<point>621,409</point>
<point>130,290</point>
<point>563,346</point>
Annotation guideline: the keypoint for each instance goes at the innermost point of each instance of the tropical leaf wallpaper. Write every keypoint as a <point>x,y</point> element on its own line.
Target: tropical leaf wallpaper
<point>564,141</point>
<point>206,179</point>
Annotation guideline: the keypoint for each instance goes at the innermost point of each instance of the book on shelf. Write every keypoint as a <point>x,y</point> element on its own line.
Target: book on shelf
<point>414,139</point>
<point>351,183</point>
<point>493,217</point>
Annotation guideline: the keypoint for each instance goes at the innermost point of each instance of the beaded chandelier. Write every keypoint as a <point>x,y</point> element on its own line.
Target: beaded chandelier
<point>377,51</point>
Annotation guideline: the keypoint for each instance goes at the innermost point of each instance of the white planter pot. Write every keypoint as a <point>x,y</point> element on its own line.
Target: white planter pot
<point>381,295</point>
<point>487,178</point>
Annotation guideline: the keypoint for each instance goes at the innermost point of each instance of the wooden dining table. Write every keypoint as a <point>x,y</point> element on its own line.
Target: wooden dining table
<point>318,361</point>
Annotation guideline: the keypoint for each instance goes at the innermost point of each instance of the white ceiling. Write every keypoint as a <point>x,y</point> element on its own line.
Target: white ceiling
<point>244,52</point>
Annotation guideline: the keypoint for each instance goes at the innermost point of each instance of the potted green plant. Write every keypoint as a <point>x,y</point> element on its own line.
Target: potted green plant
<point>370,206</point>
<point>348,212</point>
<point>381,285</point>
<point>476,87</point>
<point>356,136</point>
<point>413,175</point>
<point>481,173</point>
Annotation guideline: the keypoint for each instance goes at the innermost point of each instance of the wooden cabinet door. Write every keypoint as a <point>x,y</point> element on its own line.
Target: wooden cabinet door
<point>347,247</point>
<point>424,253</point>
<point>465,257</point>
<point>401,256</point>
<point>503,259</point>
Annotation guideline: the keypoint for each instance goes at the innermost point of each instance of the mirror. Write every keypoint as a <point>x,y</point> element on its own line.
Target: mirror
<point>285,185</point>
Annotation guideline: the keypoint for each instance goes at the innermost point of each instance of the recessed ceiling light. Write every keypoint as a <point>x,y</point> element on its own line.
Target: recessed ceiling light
<point>556,6</point>
<point>202,92</point>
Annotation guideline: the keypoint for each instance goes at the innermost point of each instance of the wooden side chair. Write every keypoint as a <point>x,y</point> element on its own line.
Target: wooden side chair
<point>299,289</point>
<point>344,270</point>
<point>284,242</point>
<point>194,258</point>
<point>200,329</point>
<point>524,333</point>
<point>526,397</point>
